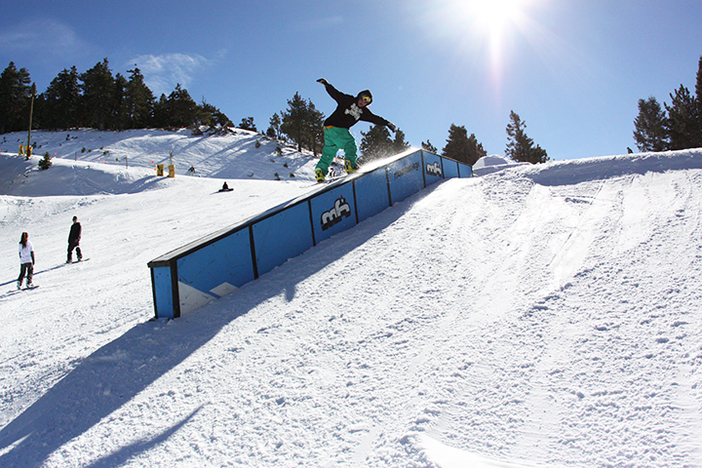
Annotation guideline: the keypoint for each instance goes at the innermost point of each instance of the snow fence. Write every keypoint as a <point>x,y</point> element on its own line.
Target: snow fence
<point>195,274</point>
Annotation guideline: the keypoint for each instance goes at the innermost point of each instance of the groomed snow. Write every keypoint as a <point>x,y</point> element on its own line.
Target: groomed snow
<point>538,316</point>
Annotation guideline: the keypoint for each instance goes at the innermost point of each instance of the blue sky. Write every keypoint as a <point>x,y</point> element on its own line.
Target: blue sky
<point>573,70</point>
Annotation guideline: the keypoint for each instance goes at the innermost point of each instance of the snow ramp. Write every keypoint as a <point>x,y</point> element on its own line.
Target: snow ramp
<point>197,273</point>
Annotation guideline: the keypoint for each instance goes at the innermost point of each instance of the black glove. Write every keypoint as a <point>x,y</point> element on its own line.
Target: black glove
<point>323,81</point>
<point>391,126</point>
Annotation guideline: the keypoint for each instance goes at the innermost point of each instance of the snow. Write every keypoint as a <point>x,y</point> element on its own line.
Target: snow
<point>537,316</point>
<point>493,163</point>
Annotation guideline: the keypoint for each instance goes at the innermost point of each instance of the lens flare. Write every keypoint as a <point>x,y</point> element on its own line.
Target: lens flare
<point>480,32</point>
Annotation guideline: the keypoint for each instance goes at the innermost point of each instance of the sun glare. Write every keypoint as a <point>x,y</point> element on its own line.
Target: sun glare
<point>486,28</point>
<point>493,14</point>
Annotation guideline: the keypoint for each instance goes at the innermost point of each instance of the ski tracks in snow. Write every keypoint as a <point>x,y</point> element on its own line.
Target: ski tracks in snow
<point>561,415</point>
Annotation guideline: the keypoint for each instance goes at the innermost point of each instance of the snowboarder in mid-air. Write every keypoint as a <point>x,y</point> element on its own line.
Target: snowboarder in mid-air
<point>74,241</point>
<point>337,136</point>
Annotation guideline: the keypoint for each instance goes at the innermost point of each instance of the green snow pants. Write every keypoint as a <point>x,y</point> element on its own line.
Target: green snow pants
<point>336,138</point>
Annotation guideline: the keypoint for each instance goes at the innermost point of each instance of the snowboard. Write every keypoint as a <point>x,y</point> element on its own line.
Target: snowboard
<point>329,180</point>
<point>78,261</point>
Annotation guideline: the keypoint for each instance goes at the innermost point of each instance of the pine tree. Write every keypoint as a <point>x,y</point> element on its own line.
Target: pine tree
<point>15,92</point>
<point>650,124</point>
<point>519,146</point>
<point>247,123</point>
<point>120,109</point>
<point>139,100</point>
<point>376,143</point>
<point>45,162</point>
<point>429,147</point>
<point>294,120</point>
<point>182,108</point>
<point>274,127</point>
<point>61,101</point>
<point>399,144</point>
<point>161,117</point>
<point>315,128</point>
<point>303,124</point>
<point>683,123</point>
<point>462,148</point>
<point>216,117</point>
<point>98,96</point>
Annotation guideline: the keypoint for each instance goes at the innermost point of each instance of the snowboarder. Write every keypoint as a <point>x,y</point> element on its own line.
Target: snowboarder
<point>337,136</point>
<point>74,241</point>
<point>225,188</point>
<point>26,254</point>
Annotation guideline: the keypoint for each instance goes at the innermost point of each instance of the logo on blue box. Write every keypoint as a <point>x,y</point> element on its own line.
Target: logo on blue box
<point>434,169</point>
<point>335,215</point>
<point>406,170</point>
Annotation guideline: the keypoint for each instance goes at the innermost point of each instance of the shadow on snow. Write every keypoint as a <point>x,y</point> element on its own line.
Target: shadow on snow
<point>114,374</point>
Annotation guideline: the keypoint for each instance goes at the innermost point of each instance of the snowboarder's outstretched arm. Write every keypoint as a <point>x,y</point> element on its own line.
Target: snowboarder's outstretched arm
<point>368,116</point>
<point>337,95</point>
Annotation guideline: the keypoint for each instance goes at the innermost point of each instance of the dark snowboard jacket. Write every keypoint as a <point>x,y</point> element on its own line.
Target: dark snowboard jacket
<point>74,235</point>
<point>347,112</point>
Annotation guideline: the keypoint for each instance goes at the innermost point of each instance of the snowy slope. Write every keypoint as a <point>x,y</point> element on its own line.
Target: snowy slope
<point>537,316</point>
<point>239,155</point>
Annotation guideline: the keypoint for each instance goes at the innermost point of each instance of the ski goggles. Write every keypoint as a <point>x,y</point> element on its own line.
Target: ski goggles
<point>366,99</point>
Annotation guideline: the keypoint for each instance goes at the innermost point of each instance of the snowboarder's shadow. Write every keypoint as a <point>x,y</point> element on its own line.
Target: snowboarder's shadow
<point>97,387</point>
<point>37,272</point>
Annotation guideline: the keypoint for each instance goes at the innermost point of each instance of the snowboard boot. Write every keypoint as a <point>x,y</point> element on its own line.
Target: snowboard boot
<point>319,175</point>
<point>350,167</point>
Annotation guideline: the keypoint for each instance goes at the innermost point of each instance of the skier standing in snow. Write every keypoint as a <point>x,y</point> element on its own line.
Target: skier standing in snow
<point>337,136</point>
<point>74,241</point>
<point>26,254</point>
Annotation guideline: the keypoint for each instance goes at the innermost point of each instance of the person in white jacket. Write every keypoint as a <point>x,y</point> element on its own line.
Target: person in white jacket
<point>26,254</point>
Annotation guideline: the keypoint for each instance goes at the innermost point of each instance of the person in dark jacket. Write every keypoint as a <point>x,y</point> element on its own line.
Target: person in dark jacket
<point>74,240</point>
<point>337,136</point>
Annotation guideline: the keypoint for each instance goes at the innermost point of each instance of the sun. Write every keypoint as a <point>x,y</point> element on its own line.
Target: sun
<point>484,29</point>
<point>492,14</point>
<point>481,35</point>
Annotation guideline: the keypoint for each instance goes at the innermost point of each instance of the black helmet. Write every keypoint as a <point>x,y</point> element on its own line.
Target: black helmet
<point>366,96</point>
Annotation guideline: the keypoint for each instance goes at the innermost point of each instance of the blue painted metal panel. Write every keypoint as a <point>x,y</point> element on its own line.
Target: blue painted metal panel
<point>433,170</point>
<point>450,168</point>
<point>219,267</point>
<point>371,194</point>
<point>333,212</point>
<point>464,170</point>
<point>405,177</point>
<point>163,292</point>
<point>282,236</point>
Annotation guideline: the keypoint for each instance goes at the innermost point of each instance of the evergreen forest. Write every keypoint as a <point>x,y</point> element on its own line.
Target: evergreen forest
<point>673,126</point>
<point>97,99</point>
